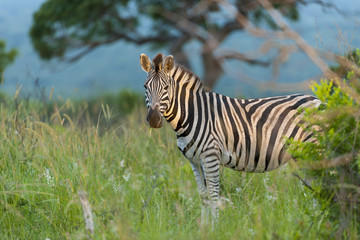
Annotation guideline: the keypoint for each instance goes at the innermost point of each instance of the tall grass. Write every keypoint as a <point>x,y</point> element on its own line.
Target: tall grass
<point>138,184</point>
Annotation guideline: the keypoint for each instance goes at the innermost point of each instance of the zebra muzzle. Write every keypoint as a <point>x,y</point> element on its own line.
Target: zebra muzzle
<point>154,117</point>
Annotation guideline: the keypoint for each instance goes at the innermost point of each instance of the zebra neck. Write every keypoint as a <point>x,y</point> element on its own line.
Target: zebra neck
<point>186,90</point>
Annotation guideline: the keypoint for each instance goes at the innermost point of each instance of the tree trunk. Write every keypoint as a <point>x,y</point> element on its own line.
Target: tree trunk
<point>211,65</point>
<point>178,52</point>
<point>181,58</point>
<point>212,70</point>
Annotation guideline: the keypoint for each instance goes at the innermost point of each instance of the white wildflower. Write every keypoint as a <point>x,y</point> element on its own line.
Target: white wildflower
<point>49,178</point>
<point>271,198</point>
<point>238,190</point>
<point>111,179</point>
<point>113,183</point>
<point>266,178</point>
<point>126,175</point>
<point>122,163</point>
<point>115,188</point>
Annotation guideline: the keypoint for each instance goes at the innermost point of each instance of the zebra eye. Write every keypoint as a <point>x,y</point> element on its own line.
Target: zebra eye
<point>166,87</point>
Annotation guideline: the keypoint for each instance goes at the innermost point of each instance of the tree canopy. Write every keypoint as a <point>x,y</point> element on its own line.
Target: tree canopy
<point>68,29</point>
<point>6,58</point>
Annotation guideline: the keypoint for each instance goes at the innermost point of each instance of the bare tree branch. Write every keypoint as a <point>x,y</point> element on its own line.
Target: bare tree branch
<point>303,181</point>
<point>335,162</point>
<point>323,4</point>
<point>309,50</point>
<point>285,87</point>
<point>90,46</point>
<point>243,57</point>
<point>288,33</point>
<point>188,27</point>
<point>180,56</point>
<point>297,38</point>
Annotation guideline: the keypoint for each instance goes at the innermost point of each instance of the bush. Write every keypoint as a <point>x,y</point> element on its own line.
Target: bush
<point>333,163</point>
<point>6,58</point>
<point>122,103</point>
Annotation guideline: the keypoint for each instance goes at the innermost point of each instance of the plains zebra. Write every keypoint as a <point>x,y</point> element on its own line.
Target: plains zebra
<point>212,129</point>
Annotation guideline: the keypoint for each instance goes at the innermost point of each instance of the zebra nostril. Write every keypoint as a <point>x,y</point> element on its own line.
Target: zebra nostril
<point>154,118</point>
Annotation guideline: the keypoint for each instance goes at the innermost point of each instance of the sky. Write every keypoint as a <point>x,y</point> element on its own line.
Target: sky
<point>114,67</point>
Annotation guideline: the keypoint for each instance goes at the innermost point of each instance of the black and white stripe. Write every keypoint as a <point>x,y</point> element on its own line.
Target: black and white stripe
<point>212,129</point>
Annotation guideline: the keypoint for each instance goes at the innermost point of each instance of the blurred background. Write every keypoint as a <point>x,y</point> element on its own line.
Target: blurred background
<point>88,48</point>
<point>72,117</point>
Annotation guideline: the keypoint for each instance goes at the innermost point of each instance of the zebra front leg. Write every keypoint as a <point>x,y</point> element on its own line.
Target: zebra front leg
<point>200,180</point>
<point>210,165</point>
<point>201,185</point>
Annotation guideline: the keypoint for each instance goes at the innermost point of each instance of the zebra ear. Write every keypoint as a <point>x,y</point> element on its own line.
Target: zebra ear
<point>169,63</point>
<point>145,62</point>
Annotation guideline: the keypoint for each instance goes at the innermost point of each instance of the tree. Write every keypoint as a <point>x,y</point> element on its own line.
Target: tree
<point>68,30</point>
<point>6,58</point>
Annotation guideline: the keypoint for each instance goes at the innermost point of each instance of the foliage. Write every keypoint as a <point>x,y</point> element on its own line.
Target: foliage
<point>138,184</point>
<point>113,107</point>
<point>57,29</point>
<point>67,29</point>
<point>6,58</point>
<point>333,162</point>
<point>122,103</point>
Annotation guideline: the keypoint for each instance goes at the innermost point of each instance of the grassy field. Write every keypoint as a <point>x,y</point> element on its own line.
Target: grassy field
<point>138,184</point>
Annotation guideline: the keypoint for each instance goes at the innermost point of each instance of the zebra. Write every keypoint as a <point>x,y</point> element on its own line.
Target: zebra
<point>214,130</point>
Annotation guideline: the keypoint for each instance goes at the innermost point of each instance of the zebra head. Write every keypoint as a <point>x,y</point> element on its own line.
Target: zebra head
<point>157,86</point>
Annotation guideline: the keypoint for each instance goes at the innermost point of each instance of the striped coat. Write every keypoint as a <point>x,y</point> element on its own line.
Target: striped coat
<point>213,130</point>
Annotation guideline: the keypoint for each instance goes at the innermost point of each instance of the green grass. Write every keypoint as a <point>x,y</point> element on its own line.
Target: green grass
<point>138,184</point>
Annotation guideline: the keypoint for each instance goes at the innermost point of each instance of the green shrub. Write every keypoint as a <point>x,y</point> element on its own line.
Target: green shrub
<point>122,104</point>
<point>333,163</point>
<point>6,58</point>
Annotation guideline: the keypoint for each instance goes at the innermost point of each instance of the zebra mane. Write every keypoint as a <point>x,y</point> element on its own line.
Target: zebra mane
<point>191,76</point>
<point>158,61</point>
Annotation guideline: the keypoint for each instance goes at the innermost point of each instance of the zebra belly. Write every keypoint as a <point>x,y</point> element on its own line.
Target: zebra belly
<point>231,160</point>
<point>235,162</point>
